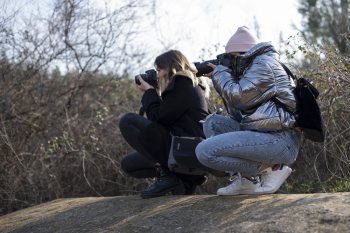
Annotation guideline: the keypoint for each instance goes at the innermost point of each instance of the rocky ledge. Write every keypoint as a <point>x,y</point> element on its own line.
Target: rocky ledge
<point>322,212</point>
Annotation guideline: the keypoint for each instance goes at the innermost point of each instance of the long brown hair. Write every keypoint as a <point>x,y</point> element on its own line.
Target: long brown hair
<point>175,62</point>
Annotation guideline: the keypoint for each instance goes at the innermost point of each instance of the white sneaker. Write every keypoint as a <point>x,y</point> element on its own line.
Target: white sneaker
<point>271,181</point>
<point>239,185</point>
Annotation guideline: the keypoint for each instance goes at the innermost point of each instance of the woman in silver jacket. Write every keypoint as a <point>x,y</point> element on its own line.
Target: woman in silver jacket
<point>257,141</point>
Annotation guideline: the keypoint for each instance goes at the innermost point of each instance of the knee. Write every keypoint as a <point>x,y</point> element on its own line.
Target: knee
<point>212,125</point>
<point>203,153</point>
<point>208,126</point>
<point>126,120</point>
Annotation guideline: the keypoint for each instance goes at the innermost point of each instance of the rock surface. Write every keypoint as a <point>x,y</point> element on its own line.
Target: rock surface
<point>201,213</point>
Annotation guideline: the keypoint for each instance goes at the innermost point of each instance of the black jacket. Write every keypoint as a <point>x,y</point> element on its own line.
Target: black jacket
<point>178,112</point>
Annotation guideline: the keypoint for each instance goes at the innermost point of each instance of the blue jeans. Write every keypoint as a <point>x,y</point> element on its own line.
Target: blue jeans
<point>227,148</point>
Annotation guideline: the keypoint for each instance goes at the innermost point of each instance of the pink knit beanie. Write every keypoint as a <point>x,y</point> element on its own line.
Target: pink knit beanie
<point>241,41</point>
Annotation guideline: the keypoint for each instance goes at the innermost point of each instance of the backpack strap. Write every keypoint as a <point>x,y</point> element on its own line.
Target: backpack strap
<point>288,71</point>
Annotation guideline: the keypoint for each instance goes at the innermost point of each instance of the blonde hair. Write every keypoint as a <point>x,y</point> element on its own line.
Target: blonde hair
<point>176,63</point>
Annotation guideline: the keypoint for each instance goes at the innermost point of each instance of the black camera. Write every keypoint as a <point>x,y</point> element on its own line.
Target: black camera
<point>150,76</point>
<point>225,59</point>
<point>203,68</point>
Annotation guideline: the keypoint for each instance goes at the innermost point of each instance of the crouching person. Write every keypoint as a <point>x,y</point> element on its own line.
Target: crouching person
<point>257,142</point>
<point>175,107</point>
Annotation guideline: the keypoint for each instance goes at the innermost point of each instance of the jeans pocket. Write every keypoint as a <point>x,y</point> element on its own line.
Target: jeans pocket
<point>291,153</point>
<point>289,148</point>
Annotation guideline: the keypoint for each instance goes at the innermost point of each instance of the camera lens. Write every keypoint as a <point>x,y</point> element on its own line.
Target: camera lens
<point>149,77</point>
<point>137,81</point>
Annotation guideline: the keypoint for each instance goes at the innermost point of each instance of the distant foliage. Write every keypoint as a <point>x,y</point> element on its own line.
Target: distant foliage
<point>55,143</point>
<point>59,134</point>
<point>326,21</point>
<point>325,167</point>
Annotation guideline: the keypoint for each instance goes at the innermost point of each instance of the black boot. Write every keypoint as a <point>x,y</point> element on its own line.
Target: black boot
<point>166,182</point>
<point>191,184</point>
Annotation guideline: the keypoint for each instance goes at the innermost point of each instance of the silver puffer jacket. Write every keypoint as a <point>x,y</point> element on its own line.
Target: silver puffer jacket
<point>262,97</point>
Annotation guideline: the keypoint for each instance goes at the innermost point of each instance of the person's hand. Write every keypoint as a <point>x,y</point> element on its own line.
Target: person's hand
<point>211,65</point>
<point>209,75</point>
<point>144,86</point>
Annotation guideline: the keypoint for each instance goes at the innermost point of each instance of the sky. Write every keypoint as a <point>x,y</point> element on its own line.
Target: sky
<point>214,22</point>
<point>206,23</point>
<point>201,28</point>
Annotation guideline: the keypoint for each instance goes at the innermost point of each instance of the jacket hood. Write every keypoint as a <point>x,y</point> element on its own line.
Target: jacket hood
<point>245,59</point>
<point>259,49</point>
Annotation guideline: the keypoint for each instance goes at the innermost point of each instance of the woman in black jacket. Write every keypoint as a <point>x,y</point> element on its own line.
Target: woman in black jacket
<point>176,108</point>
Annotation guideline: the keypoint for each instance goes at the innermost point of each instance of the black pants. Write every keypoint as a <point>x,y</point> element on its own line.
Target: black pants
<point>142,164</point>
<point>132,125</point>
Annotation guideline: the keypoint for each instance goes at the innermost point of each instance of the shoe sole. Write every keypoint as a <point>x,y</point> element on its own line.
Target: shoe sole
<point>229,194</point>
<point>240,192</point>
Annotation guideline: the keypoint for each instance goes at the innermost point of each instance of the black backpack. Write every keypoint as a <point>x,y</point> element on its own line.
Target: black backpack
<point>308,114</point>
